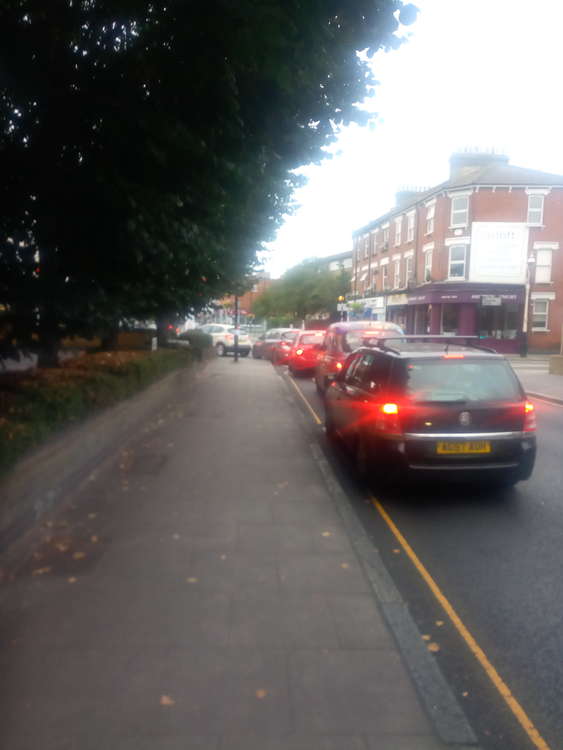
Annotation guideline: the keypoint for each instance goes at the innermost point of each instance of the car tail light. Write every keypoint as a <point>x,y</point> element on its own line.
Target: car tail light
<point>388,420</point>
<point>229,336</point>
<point>339,365</point>
<point>454,355</point>
<point>529,417</point>
<point>299,352</point>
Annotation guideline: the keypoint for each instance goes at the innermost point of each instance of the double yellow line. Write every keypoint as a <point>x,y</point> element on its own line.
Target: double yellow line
<point>501,686</point>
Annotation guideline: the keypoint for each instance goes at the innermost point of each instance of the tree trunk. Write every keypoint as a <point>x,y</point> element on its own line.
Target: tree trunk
<point>110,338</point>
<point>162,330</point>
<point>48,354</point>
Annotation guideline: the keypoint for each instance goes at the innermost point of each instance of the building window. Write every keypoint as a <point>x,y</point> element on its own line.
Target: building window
<point>535,210</point>
<point>398,230</point>
<point>498,322</point>
<point>543,267</point>
<point>397,274</point>
<point>385,237</point>
<point>540,314</point>
<point>366,248</point>
<point>373,243</point>
<point>385,277</point>
<point>428,265</point>
<point>410,226</point>
<point>409,269</point>
<point>456,268</point>
<point>460,211</point>
<point>430,210</point>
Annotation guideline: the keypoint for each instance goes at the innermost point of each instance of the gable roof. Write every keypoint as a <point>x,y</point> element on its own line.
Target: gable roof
<point>498,174</point>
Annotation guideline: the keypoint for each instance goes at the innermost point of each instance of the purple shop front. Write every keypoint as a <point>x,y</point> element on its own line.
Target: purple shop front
<point>492,312</point>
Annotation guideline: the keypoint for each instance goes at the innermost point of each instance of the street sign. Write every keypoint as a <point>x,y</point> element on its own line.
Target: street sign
<point>490,300</point>
<point>342,307</point>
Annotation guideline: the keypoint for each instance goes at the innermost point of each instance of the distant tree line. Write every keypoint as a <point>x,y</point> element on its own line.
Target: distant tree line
<point>148,148</point>
<point>305,291</point>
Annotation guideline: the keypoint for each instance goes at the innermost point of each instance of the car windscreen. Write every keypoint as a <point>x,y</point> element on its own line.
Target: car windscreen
<point>459,380</point>
<point>289,335</point>
<point>311,338</point>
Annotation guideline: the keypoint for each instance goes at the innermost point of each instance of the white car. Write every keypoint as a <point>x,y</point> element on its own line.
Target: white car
<point>224,339</point>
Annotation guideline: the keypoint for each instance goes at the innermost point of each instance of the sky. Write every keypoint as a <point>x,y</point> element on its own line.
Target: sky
<point>472,73</point>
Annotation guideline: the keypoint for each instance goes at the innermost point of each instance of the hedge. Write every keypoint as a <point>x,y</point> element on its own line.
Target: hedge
<point>35,405</point>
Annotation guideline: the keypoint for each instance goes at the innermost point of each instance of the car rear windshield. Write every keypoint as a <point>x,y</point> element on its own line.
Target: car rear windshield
<point>461,380</point>
<point>354,339</point>
<point>311,338</point>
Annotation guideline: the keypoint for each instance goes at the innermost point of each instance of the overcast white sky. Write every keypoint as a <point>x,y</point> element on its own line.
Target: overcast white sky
<point>482,73</point>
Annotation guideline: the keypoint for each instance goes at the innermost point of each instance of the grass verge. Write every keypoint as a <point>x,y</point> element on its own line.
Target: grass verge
<point>35,405</point>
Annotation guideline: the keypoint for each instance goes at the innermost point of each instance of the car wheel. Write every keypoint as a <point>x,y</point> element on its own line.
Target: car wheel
<point>319,389</point>
<point>255,355</point>
<point>244,354</point>
<point>220,349</point>
<point>330,429</point>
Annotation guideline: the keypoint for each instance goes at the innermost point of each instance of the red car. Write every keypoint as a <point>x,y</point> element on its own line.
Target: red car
<point>304,353</point>
<point>281,349</point>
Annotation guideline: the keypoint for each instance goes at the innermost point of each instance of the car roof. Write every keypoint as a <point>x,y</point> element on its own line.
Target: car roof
<point>429,351</point>
<point>358,325</point>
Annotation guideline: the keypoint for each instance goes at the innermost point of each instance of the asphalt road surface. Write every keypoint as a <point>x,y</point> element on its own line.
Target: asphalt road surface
<point>497,556</point>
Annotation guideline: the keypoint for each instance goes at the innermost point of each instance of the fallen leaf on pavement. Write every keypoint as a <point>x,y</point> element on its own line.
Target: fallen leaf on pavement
<point>223,557</point>
<point>344,565</point>
<point>92,515</point>
<point>79,555</point>
<point>72,579</point>
<point>396,551</point>
<point>465,693</point>
<point>191,580</point>
<point>175,536</point>
<point>166,700</point>
<point>62,547</point>
<point>425,637</point>
<point>94,539</point>
<point>41,571</point>
<point>261,694</point>
<point>439,623</point>
<point>433,647</point>
<point>281,485</point>
<point>326,533</point>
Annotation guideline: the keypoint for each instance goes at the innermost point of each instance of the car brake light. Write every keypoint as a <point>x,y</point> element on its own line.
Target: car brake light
<point>529,417</point>
<point>338,365</point>
<point>454,355</point>
<point>299,352</point>
<point>389,421</point>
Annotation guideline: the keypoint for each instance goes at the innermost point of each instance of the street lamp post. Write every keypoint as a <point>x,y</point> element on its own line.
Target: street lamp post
<point>527,322</point>
<point>236,329</point>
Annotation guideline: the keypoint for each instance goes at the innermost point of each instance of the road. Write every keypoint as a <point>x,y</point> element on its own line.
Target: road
<point>497,557</point>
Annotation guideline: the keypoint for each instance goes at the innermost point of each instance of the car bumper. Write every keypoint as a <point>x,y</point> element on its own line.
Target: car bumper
<point>416,455</point>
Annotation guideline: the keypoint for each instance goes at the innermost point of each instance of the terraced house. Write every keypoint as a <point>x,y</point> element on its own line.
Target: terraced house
<point>480,254</point>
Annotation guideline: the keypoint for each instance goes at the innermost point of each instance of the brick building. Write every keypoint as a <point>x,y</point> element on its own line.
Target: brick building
<point>480,254</point>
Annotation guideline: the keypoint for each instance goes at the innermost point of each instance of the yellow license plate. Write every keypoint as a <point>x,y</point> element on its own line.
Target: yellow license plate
<point>472,446</point>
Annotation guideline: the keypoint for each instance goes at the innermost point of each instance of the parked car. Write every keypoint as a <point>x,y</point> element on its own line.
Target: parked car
<point>341,339</point>
<point>224,339</point>
<point>414,407</point>
<point>281,350</point>
<point>302,358</point>
<point>262,348</point>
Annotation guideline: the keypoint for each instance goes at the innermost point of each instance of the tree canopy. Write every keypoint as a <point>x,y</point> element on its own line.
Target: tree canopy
<point>147,149</point>
<point>306,290</point>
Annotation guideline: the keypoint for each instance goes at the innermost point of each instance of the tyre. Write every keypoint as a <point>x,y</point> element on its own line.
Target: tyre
<point>244,354</point>
<point>256,355</point>
<point>220,349</point>
<point>319,389</point>
<point>330,429</point>
<point>362,459</point>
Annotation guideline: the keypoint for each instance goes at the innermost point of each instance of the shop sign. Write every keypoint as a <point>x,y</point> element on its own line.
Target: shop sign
<point>375,303</point>
<point>397,299</point>
<point>490,300</point>
<point>499,252</point>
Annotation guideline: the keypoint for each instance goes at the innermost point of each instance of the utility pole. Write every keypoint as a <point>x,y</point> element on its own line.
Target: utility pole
<point>236,329</point>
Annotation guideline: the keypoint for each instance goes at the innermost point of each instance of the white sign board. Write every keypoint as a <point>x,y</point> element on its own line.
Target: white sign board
<point>499,251</point>
<point>489,300</point>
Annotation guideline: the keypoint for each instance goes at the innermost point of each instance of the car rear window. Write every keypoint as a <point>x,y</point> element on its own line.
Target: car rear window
<point>354,339</point>
<point>311,338</point>
<point>461,380</point>
<point>289,335</point>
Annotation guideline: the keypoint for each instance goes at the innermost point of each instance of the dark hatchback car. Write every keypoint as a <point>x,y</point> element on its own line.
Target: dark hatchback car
<point>417,408</point>
<point>265,345</point>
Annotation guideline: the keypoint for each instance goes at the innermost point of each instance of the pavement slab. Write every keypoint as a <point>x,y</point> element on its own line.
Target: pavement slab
<point>202,591</point>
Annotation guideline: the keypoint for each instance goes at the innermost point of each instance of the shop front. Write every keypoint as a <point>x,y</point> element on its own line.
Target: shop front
<point>492,312</point>
<point>397,309</point>
<point>373,308</point>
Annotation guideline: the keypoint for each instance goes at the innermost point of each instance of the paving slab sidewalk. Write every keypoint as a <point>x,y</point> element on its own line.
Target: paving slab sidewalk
<point>202,592</point>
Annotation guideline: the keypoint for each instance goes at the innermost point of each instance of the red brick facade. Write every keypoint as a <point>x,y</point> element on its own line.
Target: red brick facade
<point>442,277</point>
